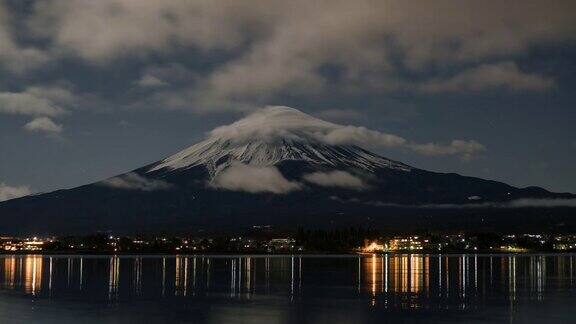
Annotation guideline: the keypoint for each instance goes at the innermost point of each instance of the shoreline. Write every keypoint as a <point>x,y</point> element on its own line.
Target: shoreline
<point>279,255</point>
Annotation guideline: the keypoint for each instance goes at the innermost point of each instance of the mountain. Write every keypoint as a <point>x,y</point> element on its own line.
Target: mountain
<point>284,168</point>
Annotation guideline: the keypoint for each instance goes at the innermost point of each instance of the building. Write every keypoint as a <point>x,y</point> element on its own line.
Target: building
<point>27,244</point>
<point>281,244</point>
<point>408,243</point>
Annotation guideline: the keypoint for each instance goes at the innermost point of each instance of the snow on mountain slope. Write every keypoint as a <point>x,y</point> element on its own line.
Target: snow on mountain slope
<point>277,134</point>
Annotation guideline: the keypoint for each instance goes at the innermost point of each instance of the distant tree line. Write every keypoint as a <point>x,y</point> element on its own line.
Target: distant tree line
<point>335,240</point>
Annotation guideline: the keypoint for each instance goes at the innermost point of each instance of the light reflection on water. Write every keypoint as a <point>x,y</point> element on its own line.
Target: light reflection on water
<point>406,281</point>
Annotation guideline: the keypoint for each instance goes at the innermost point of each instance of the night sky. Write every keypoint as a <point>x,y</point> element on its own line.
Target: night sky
<point>91,89</point>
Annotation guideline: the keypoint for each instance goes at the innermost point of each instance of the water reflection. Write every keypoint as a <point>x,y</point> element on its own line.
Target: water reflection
<point>404,273</point>
<point>33,274</point>
<point>406,280</point>
<point>114,277</point>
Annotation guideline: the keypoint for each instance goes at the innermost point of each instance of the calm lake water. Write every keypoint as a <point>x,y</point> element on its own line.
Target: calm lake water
<point>286,289</point>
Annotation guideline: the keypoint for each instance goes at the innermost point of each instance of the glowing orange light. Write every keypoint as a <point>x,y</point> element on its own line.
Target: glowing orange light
<point>374,247</point>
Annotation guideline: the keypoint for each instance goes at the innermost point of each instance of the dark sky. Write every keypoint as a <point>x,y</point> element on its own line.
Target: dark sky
<point>91,89</point>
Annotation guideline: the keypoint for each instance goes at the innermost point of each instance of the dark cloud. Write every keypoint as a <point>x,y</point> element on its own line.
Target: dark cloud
<point>284,46</point>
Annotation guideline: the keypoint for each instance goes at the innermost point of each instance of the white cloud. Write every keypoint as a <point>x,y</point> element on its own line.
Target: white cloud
<point>489,76</point>
<point>10,192</point>
<point>41,102</point>
<point>341,179</point>
<point>359,135</point>
<point>277,123</point>
<point>150,81</point>
<point>272,123</point>
<point>56,94</point>
<point>43,124</point>
<point>27,103</point>
<point>254,179</point>
<point>133,181</point>
<point>467,150</point>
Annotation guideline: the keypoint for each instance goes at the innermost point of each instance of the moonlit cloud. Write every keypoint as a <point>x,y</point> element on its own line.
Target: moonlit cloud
<point>43,124</point>
<point>109,28</point>
<point>467,150</point>
<point>284,46</point>
<point>358,135</point>
<point>151,81</point>
<point>27,103</point>
<point>254,179</point>
<point>279,123</point>
<point>339,114</point>
<point>10,192</point>
<point>338,178</point>
<point>41,102</point>
<point>505,75</point>
<point>14,57</point>
<point>133,181</point>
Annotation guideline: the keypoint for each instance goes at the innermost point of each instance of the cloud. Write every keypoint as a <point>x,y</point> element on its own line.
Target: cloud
<point>133,181</point>
<point>348,32</point>
<point>14,57</point>
<point>254,179</point>
<point>341,179</point>
<point>43,124</point>
<point>340,114</point>
<point>58,95</point>
<point>41,102</point>
<point>260,49</point>
<point>359,135</point>
<point>51,101</point>
<point>275,123</point>
<point>518,203</point>
<point>150,81</point>
<point>10,192</point>
<point>28,103</point>
<point>489,76</point>
<point>467,150</point>
<point>172,73</point>
<point>278,122</point>
<point>352,37</point>
<point>542,203</point>
<point>108,29</point>
<point>272,123</point>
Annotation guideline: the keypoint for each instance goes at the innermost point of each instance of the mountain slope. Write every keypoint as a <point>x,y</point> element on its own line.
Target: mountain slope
<point>275,135</point>
<point>284,168</point>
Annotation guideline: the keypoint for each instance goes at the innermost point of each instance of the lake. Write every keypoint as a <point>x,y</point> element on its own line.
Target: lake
<point>288,289</point>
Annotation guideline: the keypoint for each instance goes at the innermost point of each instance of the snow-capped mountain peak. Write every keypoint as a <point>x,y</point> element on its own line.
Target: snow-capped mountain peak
<point>270,136</point>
